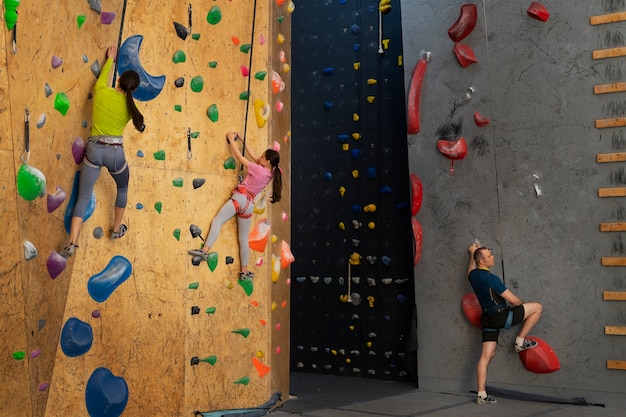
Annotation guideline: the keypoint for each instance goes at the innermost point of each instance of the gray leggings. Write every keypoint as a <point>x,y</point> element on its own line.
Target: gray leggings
<point>96,156</point>
<point>227,211</point>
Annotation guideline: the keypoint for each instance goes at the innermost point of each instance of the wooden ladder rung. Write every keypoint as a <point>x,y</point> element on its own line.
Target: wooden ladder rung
<point>613,261</point>
<point>611,157</point>
<point>609,88</point>
<point>614,122</point>
<point>615,330</point>
<point>614,295</point>
<point>607,18</point>
<point>613,364</point>
<point>613,227</point>
<point>612,192</point>
<point>609,53</point>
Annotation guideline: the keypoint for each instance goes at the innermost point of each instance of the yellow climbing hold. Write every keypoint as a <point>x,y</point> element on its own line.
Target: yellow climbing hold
<point>370,208</point>
<point>355,259</point>
<point>281,38</point>
<point>345,146</point>
<point>355,173</point>
<point>342,226</point>
<point>355,117</point>
<point>356,136</point>
<point>371,225</point>
<point>370,99</point>
<point>342,190</point>
<point>371,81</point>
<point>261,112</point>
<point>356,66</point>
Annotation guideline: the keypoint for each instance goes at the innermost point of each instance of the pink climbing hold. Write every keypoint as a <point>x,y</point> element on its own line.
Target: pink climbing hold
<point>465,24</point>
<point>481,120</point>
<point>537,11</point>
<point>465,55</point>
<point>56,62</point>
<point>244,71</point>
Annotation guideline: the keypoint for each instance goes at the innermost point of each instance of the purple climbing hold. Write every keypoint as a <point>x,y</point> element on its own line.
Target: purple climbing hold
<point>56,62</point>
<point>78,150</point>
<point>56,264</point>
<point>106,18</point>
<point>56,199</point>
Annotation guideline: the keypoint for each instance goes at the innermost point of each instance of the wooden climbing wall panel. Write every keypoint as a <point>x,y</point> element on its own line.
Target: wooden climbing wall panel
<point>146,333</point>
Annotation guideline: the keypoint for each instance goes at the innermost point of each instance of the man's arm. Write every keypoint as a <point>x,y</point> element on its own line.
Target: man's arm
<point>511,298</point>
<point>472,262</point>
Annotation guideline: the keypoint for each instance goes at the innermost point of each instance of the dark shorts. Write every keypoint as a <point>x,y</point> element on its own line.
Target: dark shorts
<point>497,321</point>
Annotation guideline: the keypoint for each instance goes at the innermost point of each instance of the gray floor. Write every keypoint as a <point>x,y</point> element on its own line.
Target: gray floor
<point>332,396</point>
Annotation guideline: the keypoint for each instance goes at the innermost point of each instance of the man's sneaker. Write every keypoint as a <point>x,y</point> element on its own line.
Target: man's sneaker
<point>68,250</point>
<point>528,344</point>
<point>487,400</point>
<point>199,252</point>
<point>120,233</point>
<point>246,275</point>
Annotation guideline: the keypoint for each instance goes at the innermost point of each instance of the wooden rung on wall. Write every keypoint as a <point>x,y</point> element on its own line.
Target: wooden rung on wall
<point>612,192</point>
<point>615,330</point>
<point>614,295</point>
<point>613,227</point>
<point>611,157</point>
<point>609,88</point>
<point>609,53</point>
<point>613,261</point>
<point>614,122</point>
<point>613,364</point>
<point>607,18</point>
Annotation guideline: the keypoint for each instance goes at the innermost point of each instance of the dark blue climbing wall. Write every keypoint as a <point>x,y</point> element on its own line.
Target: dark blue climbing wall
<point>352,281</point>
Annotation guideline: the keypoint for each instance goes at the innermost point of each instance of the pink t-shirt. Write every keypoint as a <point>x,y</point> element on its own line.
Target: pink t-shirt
<point>257,179</point>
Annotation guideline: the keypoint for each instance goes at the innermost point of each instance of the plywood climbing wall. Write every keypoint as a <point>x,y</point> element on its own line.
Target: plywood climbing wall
<point>168,337</point>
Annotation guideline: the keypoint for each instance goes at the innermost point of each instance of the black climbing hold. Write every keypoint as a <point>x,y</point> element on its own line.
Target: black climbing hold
<point>98,232</point>
<point>179,82</point>
<point>195,230</point>
<point>196,260</point>
<point>195,361</point>
<point>229,260</point>
<point>195,310</point>
<point>181,31</point>
<point>198,182</point>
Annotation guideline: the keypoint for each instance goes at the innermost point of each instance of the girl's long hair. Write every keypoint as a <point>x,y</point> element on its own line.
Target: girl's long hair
<point>277,183</point>
<point>129,81</point>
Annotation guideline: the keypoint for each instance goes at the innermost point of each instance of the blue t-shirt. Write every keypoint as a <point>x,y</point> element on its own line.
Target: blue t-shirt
<point>487,287</point>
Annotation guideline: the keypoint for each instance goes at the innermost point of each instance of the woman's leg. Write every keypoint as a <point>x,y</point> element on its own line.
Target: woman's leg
<point>243,231</point>
<point>88,177</point>
<point>223,215</point>
<point>118,168</point>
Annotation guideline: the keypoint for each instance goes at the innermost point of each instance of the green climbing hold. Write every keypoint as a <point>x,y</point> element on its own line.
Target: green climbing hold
<point>247,285</point>
<point>213,64</point>
<point>195,36</point>
<point>243,381</point>
<point>159,155</point>
<point>196,84</point>
<point>260,75</point>
<point>80,19</point>
<point>210,310</point>
<point>213,113</point>
<point>179,56</point>
<point>31,183</point>
<point>214,16</point>
<point>178,182</point>
<point>195,135</point>
<point>245,332</point>
<point>212,260</point>
<point>209,359</point>
<point>177,234</point>
<point>245,48</point>
<point>193,285</point>
<point>19,355</point>
<point>62,103</point>
<point>178,108</point>
<point>230,163</point>
<point>245,95</point>
<point>158,206</point>
<point>280,19</point>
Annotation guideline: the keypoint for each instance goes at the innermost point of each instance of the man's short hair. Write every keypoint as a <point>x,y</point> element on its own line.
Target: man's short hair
<point>478,254</point>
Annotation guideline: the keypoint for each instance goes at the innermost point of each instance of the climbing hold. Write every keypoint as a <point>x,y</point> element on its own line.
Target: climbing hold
<point>415,89</point>
<point>178,108</point>
<point>464,54</point>
<point>106,395</point>
<point>416,193</point>
<point>342,191</point>
<point>245,332</point>
<point>78,150</point>
<point>128,59</point>
<point>193,285</point>
<point>43,386</point>
<point>384,6</point>
<point>541,359</point>
<point>342,226</point>
<point>179,82</point>
<point>158,206</point>
<point>230,163</point>
<point>260,75</point>
<point>62,103</point>
<point>30,251</point>
<point>245,48</point>
<point>261,368</point>
<point>355,173</point>
<point>371,99</point>
<point>10,12</point>
<point>98,233</point>
<point>19,355</point>
<point>177,182</point>
<point>291,7</point>
<point>244,70</point>
<point>247,284</point>
<point>342,138</point>
<point>328,105</point>
<point>370,208</point>
<point>355,29</point>
<point>56,264</point>
<point>261,112</point>
<point>140,153</point>
<point>213,113</point>
<point>275,268</point>
<point>106,18</point>
<point>278,84</point>
<point>465,23</point>
<point>210,310</point>
<point>328,71</point>
<point>355,259</point>
<point>96,314</point>
<point>159,155</point>
<point>356,208</point>
<point>198,182</point>
<point>279,106</point>
<point>211,360</point>
<point>356,136</point>
<point>176,234</point>
<point>243,381</point>
<point>197,83</point>
<point>286,257</point>
<point>355,153</point>
<point>56,199</point>
<point>41,121</point>
<point>328,176</point>
<point>280,38</point>
<point>480,120</point>
<point>214,16</point>
<point>259,235</point>
<point>195,231</point>
<point>179,56</point>
<point>244,95</point>
<point>370,301</point>
<point>453,150</point>
<point>212,64</point>
<point>76,337</point>
<point>385,260</point>
<point>102,285</point>
<point>181,31</point>
<point>47,90</point>
<point>212,260</point>
<point>537,11</point>
<point>56,62</point>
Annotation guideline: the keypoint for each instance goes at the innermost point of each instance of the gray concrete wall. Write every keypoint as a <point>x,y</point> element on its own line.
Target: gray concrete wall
<point>535,81</point>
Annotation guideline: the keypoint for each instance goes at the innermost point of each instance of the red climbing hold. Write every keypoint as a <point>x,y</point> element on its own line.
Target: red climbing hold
<point>465,55</point>
<point>465,24</point>
<point>417,236</point>
<point>454,150</point>
<point>481,120</point>
<point>540,359</point>
<point>413,110</point>
<point>537,11</point>
<point>416,194</point>
<point>472,309</point>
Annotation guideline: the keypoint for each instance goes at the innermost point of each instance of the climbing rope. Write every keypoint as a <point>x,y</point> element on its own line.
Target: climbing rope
<point>26,154</point>
<point>119,41</point>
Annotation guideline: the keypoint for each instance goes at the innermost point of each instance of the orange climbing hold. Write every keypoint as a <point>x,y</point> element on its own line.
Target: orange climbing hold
<point>259,235</point>
<point>286,257</point>
<point>261,368</point>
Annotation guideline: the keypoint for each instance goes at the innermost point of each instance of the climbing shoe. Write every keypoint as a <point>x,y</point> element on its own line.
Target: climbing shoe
<point>68,250</point>
<point>528,344</point>
<point>246,275</point>
<point>487,400</point>
<point>120,233</point>
<point>199,252</point>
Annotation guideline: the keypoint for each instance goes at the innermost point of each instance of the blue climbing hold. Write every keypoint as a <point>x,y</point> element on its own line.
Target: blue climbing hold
<point>371,173</point>
<point>128,59</point>
<point>356,153</point>
<point>106,395</point>
<point>328,176</point>
<point>76,337</point>
<point>328,71</point>
<point>385,260</point>
<point>69,210</point>
<point>102,285</point>
<point>385,189</point>
<point>342,137</point>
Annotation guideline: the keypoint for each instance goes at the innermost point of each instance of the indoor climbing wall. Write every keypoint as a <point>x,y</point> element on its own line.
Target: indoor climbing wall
<point>134,325</point>
<point>352,284</point>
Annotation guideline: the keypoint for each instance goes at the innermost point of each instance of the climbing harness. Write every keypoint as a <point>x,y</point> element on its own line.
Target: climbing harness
<point>241,213</point>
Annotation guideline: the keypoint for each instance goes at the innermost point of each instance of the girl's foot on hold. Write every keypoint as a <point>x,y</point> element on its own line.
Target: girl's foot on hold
<point>246,275</point>
<point>68,250</point>
<point>121,232</point>
<point>199,252</point>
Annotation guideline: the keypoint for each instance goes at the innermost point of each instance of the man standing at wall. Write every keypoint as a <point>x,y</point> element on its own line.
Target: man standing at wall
<point>496,313</point>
